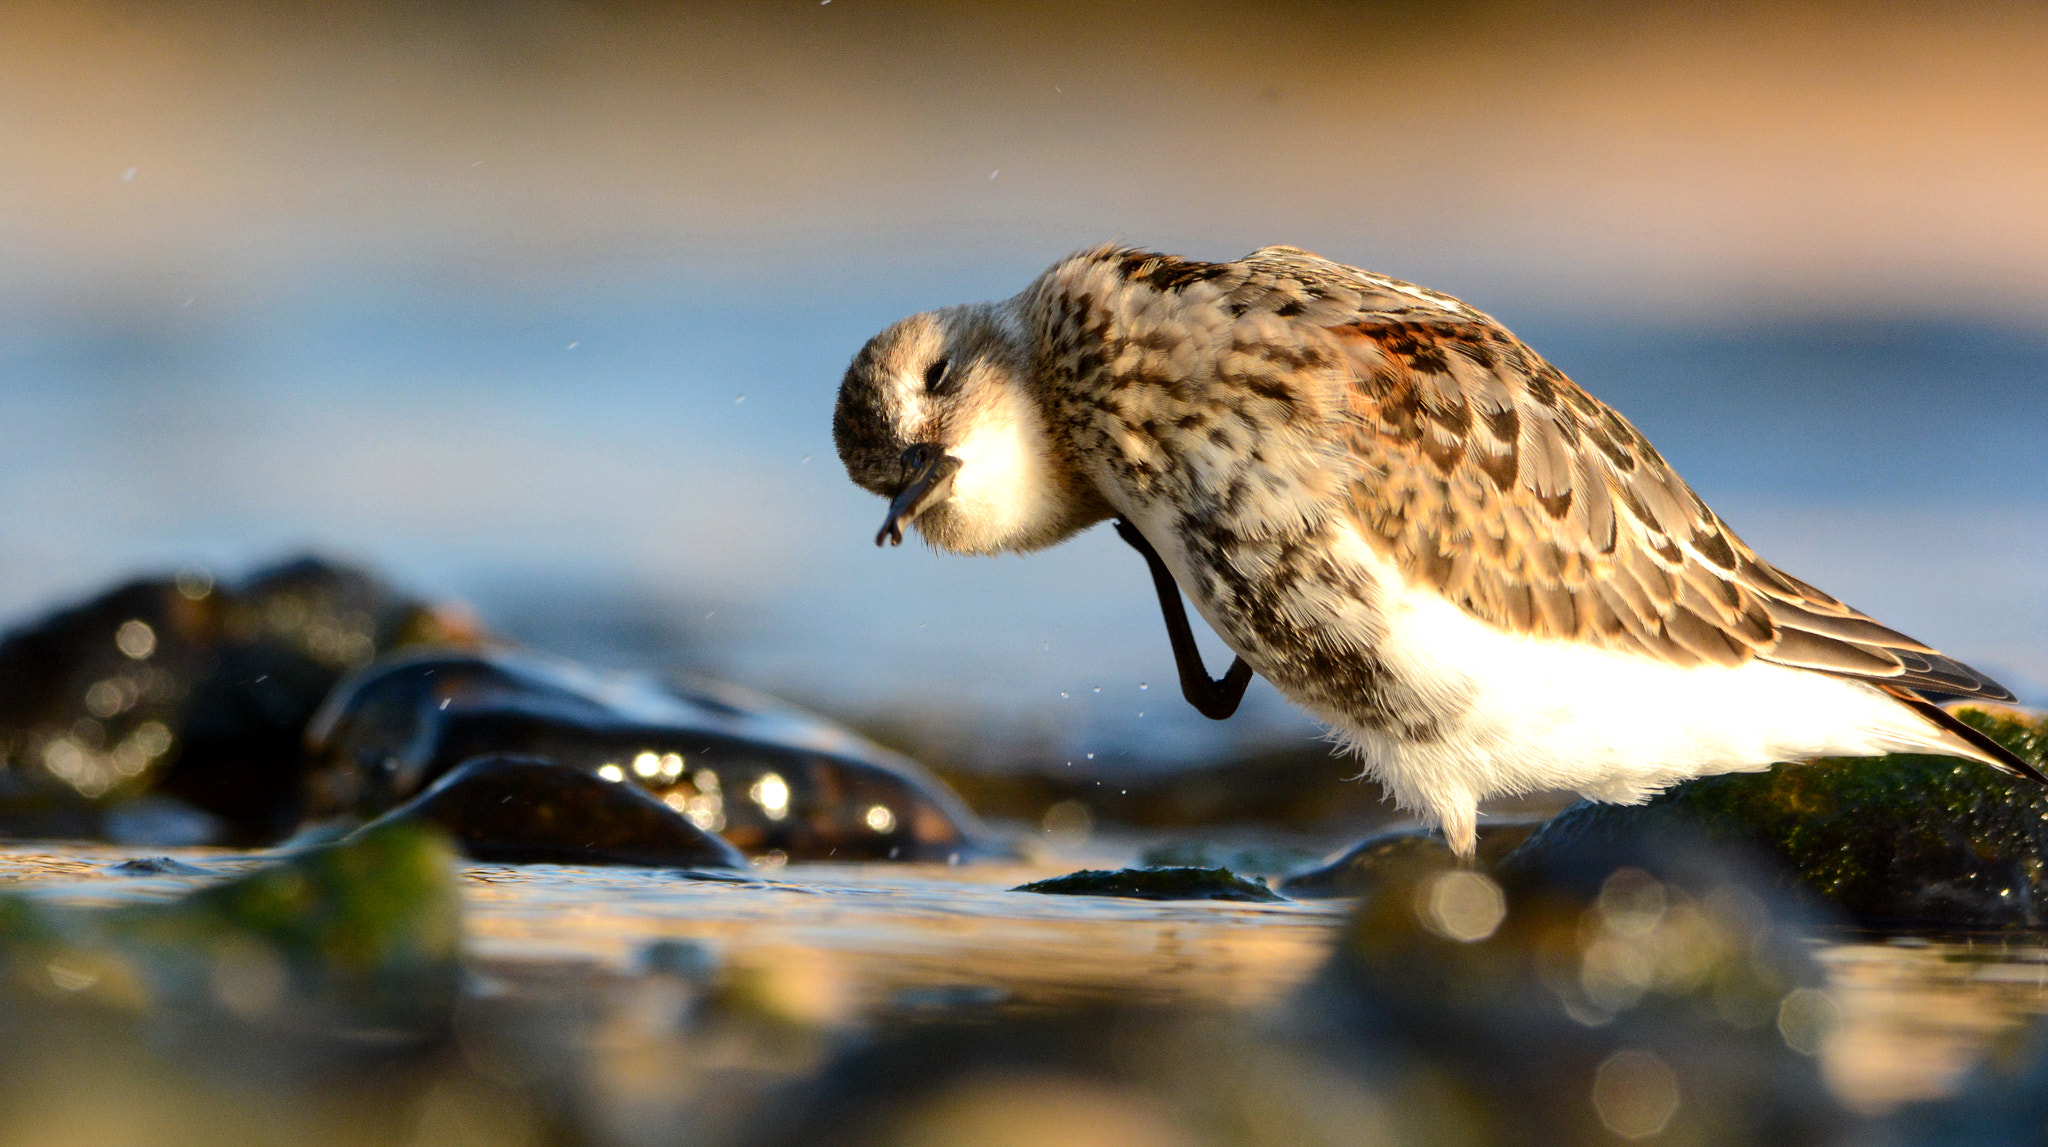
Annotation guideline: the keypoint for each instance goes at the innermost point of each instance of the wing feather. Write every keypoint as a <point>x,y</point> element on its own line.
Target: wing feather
<point>1490,476</point>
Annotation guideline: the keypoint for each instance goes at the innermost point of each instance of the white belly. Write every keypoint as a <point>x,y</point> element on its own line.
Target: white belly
<point>1524,715</point>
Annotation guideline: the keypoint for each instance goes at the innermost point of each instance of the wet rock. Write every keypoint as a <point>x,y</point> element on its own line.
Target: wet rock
<point>767,778</point>
<point>357,937</point>
<point>526,810</point>
<point>156,866</point>
<point>309,1000</point>
<point>187,690</point>
<point>1899,843</point>
<point>1620,991</point>
<point>1154,884</point>
<point>1354,873</point>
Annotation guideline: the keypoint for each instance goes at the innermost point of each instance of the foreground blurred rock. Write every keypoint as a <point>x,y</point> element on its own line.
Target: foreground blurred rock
<point>765,777</point>
<point>1654,992</point>
<point>314,1000</point>
<point>1897,843</point>
<point>356,941</point>
<point>1647,989</point>
<point>181,688</point>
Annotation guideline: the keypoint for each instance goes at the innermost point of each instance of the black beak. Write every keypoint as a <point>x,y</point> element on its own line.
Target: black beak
<point>930,479</point>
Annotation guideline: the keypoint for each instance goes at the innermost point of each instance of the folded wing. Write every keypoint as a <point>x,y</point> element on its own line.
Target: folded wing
<point>1491,477</point>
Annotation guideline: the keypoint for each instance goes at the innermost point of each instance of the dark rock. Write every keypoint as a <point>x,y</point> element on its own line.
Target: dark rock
<point>1354,873</point>
<point>766,777</point>
<point>1154,884</point>
<point>1602,992</point>
<point>1899,843</point>
<point>525,810</point>
<point>157,866</point>
<point>179,687</point>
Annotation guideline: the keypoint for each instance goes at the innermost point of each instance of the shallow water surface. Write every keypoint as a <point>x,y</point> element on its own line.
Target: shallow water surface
<point>838,942</point>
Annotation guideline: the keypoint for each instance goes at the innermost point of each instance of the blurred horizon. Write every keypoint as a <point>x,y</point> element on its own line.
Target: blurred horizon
<point>542,305</point>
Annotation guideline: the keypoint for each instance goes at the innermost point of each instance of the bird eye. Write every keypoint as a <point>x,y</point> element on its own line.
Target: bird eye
<point>935,374</point>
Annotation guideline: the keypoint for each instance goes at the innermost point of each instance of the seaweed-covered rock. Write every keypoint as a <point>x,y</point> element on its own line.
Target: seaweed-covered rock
<point>766,777</point>
<point>1354,872</point>
<point>525,810</point>
<point>358,936</point>
<point>1154,884</point>
<point>1899,843</point>
<point>178,686</point>
<point>1615,991</point>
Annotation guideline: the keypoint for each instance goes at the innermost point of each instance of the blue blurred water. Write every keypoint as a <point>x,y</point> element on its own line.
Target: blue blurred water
<point>636,467</point>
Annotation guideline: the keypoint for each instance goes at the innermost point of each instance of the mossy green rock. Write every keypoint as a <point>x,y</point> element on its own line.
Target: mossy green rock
<point>1898,843</point>
<point>1154,884</point>
<point>361,936</point>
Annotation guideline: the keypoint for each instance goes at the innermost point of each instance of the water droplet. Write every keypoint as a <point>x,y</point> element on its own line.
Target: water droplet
<point>738,400</point>
<point>1142,686</point>
<point>1063,693</point>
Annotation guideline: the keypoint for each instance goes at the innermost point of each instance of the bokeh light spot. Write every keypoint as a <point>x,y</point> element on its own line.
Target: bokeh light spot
<point>1461,905</point>
<point>1635,1094</point>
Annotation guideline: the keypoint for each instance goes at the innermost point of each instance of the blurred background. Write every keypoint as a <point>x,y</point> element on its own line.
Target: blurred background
<point>542,305</point>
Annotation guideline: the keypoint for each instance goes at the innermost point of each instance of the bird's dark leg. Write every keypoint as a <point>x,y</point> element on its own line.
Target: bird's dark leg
<point>1215,700</point>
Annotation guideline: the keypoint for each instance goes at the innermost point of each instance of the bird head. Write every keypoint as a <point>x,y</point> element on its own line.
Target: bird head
<point>939,414</point>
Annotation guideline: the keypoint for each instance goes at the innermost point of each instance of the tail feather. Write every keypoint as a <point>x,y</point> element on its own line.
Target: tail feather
<point>1993,753</point>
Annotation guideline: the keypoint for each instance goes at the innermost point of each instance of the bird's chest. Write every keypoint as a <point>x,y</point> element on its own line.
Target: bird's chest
<point>1314,611</point>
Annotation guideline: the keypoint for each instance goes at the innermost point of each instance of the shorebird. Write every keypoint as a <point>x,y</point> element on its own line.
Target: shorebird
<point>1483,579</point>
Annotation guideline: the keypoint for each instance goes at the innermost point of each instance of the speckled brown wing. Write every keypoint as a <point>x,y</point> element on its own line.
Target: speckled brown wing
<point>1493,478</point>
